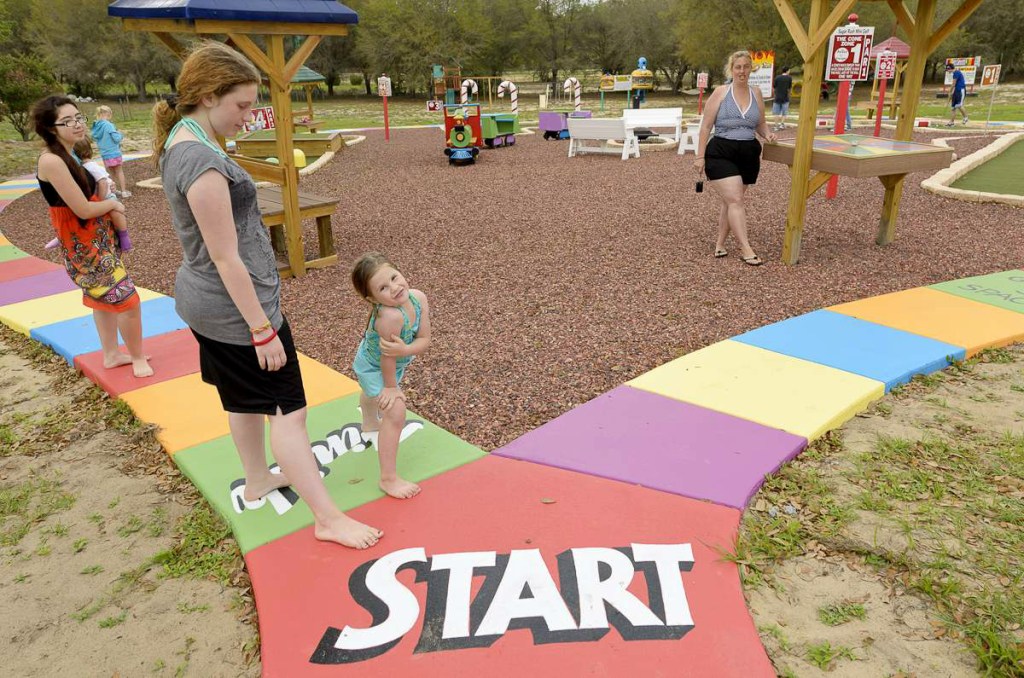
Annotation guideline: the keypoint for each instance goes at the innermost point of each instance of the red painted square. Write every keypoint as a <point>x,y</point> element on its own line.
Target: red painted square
<point>24,267</point>
<point>171,355</point>
<point>530,607</point>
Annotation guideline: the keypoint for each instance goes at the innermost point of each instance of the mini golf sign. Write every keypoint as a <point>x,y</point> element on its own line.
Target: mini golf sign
<point>762,68</point>
<point>966,65</point>
<point>849,53</point>
<point>885,66</point>
<point>263,118</point>
<point>990,75</point>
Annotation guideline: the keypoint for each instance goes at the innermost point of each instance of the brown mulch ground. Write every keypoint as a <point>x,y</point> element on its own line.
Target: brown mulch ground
<point>554,280</point>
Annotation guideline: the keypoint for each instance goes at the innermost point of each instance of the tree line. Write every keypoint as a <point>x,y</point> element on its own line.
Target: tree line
<point>75,45</point>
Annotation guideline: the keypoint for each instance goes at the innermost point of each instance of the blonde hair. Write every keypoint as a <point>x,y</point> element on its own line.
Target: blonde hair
<point>739,54</point>
<point>212,69</point>
<point>103,110</point>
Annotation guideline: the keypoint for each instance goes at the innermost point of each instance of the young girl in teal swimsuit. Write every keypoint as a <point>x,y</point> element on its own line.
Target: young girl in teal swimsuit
<point>398,330</point>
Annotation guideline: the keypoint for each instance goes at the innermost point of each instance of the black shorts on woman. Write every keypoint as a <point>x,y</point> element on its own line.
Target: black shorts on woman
<point>728,158</point>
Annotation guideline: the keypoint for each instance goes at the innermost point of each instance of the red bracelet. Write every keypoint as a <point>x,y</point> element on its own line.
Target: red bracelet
<point>264,342</point>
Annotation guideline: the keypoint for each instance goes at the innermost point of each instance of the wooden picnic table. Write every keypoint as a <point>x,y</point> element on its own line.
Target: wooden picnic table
<point>310,207</point>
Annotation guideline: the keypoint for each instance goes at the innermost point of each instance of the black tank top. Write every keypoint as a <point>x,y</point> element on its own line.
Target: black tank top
<point>53,198</point>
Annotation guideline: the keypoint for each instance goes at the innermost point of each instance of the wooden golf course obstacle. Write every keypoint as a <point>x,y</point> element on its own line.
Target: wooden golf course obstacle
<point>272,20</point>
<point>812,41</point>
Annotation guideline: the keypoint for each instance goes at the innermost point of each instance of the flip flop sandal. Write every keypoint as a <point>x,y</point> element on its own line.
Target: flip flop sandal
<point>721,253</point>
<point>752,261</point>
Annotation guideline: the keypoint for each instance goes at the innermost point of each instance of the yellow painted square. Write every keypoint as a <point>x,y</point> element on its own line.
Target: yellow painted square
<point>769,388</point>
<point>13,193</point>
<point>938,315</point>
<point>26,315</point>
<point>3,240</point>
<point>189,412</point>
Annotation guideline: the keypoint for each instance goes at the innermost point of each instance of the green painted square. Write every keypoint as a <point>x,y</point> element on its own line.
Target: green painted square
<point>9,252</point>
<point>351,476</point>
<point>1005,290</point>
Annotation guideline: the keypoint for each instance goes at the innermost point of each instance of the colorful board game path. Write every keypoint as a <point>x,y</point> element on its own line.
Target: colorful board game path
<point>592,544</point>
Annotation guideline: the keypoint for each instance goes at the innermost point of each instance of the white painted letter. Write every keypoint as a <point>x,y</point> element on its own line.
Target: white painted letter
<point>460,585</point>
<point>667,557</point>
<point>526,567</point>
<point>403,608</point>
<point>594,592</point>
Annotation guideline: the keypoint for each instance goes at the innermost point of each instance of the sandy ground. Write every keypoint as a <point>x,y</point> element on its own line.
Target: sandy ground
<point>901,634</point>
<point>96,508</point>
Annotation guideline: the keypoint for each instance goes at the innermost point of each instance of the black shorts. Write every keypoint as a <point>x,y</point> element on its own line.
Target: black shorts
<point>727,158</point>
<point>243,387</point>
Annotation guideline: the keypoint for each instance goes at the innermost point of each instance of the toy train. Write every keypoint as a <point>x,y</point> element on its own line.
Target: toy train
<point>553,123</point>
<point>463,137</point>
<point>499,129</point>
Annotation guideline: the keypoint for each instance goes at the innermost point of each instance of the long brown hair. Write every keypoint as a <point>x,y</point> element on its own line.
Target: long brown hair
<point>44,120</point>
<point>364,269</point>
<point>212,69</point>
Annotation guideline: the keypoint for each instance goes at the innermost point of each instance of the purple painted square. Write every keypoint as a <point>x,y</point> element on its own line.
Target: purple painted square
<point>650,440</point>
<point>35,286</point>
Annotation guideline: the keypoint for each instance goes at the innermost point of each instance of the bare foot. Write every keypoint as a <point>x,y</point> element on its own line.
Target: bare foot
<point>347,532</point>
<point>257,490</point>
<point>400,488</point>
<point>120,360</point>
<point>141,368</point>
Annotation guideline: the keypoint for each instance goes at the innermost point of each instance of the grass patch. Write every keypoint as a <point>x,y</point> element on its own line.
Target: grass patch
<point>92,569</point>
<point>840,613</point>
<point>823,654</point>
<point>185,608</point>
<point>111,622</point>
<point>205,549</point>
<point>28,503</point>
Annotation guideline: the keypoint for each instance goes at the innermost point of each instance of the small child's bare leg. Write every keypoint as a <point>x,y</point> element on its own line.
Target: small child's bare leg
<point>368,406</point>
<point>387,452</point>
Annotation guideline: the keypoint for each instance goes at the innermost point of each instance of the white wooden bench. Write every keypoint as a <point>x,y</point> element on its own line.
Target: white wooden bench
<point>601,130</point>
<point>650,118</point>
<point>690,138</point>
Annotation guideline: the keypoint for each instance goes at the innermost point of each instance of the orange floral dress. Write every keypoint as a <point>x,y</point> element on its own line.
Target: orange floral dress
<point>91,255</point>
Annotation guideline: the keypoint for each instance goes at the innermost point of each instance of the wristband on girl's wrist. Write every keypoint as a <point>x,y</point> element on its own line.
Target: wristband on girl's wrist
<point>264,342</point>
<point>262,328</point>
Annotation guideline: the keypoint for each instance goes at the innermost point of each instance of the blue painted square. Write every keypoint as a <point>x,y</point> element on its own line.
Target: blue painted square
<point>853,345</point>
<point>74,337</point>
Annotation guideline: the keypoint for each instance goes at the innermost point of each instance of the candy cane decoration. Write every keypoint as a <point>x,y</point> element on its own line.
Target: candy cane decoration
<point>513,93</point>
<point>574,85</point>
<point>468,86</point>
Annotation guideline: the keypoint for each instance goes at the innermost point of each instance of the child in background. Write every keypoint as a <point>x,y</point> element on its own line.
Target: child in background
<point>104,191</point>
<point>109,141</point>
<point>398,329</point>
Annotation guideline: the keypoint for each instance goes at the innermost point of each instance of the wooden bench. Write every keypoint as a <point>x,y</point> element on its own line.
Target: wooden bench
<point>650,118</point>
<point>872,106</point>
<point>601,130</point>
<point>307,125</point>
<point>310,207</point>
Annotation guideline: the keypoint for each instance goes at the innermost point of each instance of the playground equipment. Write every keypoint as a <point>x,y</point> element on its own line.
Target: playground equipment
<point>641,81</point>
<point>499,129</point>
<point>572,86</point>
<point>469,88</point>
<point>463,136</point>
<point>554,124</point>
<point>513,93</point>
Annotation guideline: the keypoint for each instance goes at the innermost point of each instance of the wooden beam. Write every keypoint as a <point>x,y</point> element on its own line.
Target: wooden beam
<point>809,101</point>
<point>300,56</point>
<point>269,28</point>
<point>282,103</point>
<point>952,23</point>
<point>795,26</point>
<point>172,44</point>
<point>835,18</point>
<point>263,62</point>
<point>902,14</point>
<point>260,170</point>
<point>159,25</point>
<point>817,181</point>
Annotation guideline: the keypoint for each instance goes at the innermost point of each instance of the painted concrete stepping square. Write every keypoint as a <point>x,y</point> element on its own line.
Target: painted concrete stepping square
<point>645,439</point>
<point>1005,289</point>
<point>350,471</point>
<point>3,241</point>
<point>77,336</point>
<point>26,266</point>
<point>853,345</point>
<point>189,412</point>
<point>34,286</point>
<point>8,252</point>
<point>503,568</point>
<point>171,355</point>
<point>942,316</point>
<point>26,315</point>
<point>801,397</point>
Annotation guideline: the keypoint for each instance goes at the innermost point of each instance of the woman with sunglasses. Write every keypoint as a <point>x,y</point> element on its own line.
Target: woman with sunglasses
<point>86,234</point>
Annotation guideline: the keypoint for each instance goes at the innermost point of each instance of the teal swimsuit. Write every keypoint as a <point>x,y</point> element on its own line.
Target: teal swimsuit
<point>367,361</point>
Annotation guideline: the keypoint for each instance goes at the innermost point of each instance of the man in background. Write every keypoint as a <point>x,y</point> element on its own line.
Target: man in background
<point>780,107</point>
<point>957,94</point>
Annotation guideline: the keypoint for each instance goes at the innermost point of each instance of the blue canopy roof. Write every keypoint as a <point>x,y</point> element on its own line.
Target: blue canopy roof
<point>280,11</point>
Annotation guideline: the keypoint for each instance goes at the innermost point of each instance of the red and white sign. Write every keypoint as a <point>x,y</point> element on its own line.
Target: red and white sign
<point>848,53</point>
<point>885,66</point>
<point>990,75</point>
<point>702,81</point>
<point>434,105</point>
<point>384,86</point>
<point>966,65</point>
<point>263,118</point>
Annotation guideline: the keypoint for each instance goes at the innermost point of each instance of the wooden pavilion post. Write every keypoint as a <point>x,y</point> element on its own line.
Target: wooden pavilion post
<point>814,62</point>
<point>280,99</point>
